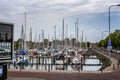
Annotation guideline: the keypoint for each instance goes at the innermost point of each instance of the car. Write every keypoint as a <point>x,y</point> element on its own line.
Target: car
<point>114,51</point>
<point>118,51</point>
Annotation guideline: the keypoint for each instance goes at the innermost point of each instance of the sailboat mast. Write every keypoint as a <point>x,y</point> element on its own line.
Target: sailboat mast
<point>55,36</point>
<point>77,33</point>
<point>63,33</point>
<point>66,35</point>
<point>82,40</point>
<point>59,37</point>
<point>48,41</point>
<point>43,37</point>
<point>25,34</point>
<point>22,38</point>
<point>30,38</point>
<point>39,40</point>
<point>86,41</point>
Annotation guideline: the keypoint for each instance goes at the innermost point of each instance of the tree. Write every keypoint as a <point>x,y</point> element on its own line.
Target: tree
<point>115,39</point>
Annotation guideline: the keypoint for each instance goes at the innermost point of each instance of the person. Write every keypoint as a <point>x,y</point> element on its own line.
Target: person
<point>69,60</point>
<point>15,64</point>
<point>20,63</point>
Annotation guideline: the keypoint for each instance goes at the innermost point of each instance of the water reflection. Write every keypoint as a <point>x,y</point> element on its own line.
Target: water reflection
<point>44,61</point>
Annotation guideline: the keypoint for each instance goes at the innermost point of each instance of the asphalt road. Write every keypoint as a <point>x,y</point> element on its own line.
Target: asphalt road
<point>16,75</point>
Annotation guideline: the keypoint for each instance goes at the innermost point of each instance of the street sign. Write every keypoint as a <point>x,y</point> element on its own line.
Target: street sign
<point>22,52</point>
<point>109,43</point>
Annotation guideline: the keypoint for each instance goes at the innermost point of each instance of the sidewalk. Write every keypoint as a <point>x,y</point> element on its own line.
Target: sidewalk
<point>16,75</point>
<point>25,79</point>
<point>114,63</point>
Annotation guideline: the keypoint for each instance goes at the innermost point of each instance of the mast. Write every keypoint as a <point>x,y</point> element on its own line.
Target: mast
<point>63,33</point>
<point>52,42</point>
<point>25,34</point>
<point>77,29</point>
<point>22,38</point>
<point>43,37</point>
<point>30,38</point>
<point>36,39</point>
<point>66,35</point>
<point>55,37</point>
<point>86,42</point>
<point>77,33</point>
<point>39,40</point>
<point>70,41</point>
<point>48,41</point>
<point>82,40</point>
<point>59,37</point>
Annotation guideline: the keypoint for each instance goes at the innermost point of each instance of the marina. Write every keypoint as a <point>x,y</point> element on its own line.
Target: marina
<point>67,64</point>
<point>59,40</point>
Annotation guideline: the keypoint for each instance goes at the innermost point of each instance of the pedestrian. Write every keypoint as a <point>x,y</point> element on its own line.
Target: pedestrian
<point>15,64</point>
<point>20,63</point>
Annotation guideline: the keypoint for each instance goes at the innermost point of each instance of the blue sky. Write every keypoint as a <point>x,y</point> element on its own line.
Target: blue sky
<point>44,14</point>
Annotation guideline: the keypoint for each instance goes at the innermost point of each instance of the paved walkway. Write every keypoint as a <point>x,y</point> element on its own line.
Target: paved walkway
<point>114,62</point>
<point>16,75</point>
<point>25,79</point>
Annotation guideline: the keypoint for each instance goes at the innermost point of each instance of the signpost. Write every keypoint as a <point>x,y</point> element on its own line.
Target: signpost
<point>109,45</point>
<point>6,47</point>
<point>109,42</point>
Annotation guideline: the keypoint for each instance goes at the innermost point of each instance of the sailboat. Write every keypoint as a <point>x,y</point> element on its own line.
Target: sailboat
<point>21,53</point>
<point>22,58</point>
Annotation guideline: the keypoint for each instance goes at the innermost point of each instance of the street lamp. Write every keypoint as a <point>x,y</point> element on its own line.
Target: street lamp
<point>109,41</point>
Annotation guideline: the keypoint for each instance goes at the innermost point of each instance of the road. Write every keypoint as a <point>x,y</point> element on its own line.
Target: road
<point>17,75</point>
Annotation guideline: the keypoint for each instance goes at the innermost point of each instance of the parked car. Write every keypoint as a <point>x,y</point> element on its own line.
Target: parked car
<point>118,51</point>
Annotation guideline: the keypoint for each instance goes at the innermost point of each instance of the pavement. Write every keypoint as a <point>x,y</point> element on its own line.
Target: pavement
<point>114,62</point>
<point>17,75</point>
<point>25,79</point>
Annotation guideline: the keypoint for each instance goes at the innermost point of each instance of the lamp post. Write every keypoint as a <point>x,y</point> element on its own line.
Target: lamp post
<point>109,41</point>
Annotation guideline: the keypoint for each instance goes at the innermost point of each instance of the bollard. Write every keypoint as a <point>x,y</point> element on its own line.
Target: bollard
<point>101,70</point>
<point>117,64</point>
<point>48,67</point>
<point>113,67</point>
<point>45,64</point>
<point>79,68</point>
<point>51,63</point>
<point>20,67</point>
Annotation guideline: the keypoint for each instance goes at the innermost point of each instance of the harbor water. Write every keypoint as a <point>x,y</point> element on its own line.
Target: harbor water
<point>46,63</point>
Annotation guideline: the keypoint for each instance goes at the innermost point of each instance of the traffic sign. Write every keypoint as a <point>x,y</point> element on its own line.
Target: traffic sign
<point>109,43</point>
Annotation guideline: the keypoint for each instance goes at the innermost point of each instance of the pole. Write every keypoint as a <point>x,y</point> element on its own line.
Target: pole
<point>25,33</point>
<point>63,34</point>
<point>109,41</point>
<point>109,17</point>
<point>55,45</point>
<point>109,21</point>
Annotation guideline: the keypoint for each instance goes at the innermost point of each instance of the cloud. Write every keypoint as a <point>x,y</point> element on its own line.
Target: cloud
<point>2,17</point>
<point>44,14</point>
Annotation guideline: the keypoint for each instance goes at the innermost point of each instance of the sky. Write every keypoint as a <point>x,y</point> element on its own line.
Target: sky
<point>45,14</point>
